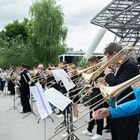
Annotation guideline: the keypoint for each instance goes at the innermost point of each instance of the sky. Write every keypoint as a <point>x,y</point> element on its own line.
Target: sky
<point>77,17</point>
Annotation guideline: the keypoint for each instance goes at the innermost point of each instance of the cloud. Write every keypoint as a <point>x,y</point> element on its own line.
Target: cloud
<point>13,10</point>
<point>78,14</point>
<point>81,32</point>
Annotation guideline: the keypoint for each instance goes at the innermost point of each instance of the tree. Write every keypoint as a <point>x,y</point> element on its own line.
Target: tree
<point>49,32</point>
<point>16,29</point>
<point>15,44</point>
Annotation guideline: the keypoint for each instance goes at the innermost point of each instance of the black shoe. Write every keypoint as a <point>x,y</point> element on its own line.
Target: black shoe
<point>24,112</point>
<point>108,130</point>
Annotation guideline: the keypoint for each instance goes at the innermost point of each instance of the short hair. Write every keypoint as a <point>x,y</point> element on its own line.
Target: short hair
<point>112,47</point>
<point>93,59</point>
<point>12,67</point>
<point>73,66</point>
<point>24,65</point>
<point>41,66</point>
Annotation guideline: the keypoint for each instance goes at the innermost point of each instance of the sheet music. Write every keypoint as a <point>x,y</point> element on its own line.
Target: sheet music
<point>44,98</point>
<point>61,75</point>
<point>68,83</point>
<point>57,99</point>
<point>39,86</point>
<point>43,108</point>
<point>58,74</point>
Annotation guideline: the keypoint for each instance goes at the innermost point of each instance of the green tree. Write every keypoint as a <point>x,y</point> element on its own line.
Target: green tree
<point>17,54</point>
<point>49,32</point>
<point>15,44</point>
<point>16,29</point>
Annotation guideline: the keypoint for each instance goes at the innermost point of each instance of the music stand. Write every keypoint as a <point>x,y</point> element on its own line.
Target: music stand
<point>14,107</point>
<point>14,100</point>
<point>63,123</point>
<point>68,119</point>
<point>70,129</point>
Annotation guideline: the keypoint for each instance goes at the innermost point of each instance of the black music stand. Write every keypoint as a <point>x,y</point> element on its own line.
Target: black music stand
<point>71,128</point>
<point>14,107</point>
<point>64,122</point>
<point>14,101</point>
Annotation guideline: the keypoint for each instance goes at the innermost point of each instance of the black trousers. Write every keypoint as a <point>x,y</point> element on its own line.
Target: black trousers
<point>125,128</point>
<point>2,85</point>
<point>11,87</point>
<point>92,123</point>
<point>25,96</point>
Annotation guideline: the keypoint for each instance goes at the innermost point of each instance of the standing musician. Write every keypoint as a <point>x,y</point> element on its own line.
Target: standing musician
<point>3,76</point>
<point>40,73</point>
<point>73,92</point>
<point>16,80</point>
<point>122,128</point>
<point>93,61</point>
<point>24,89</point>
<point>11,84</point>
<point>126,109</point>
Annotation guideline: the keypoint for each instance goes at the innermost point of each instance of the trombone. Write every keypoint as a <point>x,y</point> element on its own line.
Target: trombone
<point>110,94</point>
<point>127,51</point>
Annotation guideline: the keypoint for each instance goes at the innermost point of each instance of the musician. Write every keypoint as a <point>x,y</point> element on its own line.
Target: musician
<point>11,84</point>
<point>73,92</point>
<point>24,89</point>
<point>122,128</point>
<point>126,109</point>
<point>16,80</point>
<point>40,73</point>
<point>93,61</point>
<point>3,76</point>
<point>63,65</point>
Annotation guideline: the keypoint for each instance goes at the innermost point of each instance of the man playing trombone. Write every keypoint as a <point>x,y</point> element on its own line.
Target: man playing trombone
<point>126,109</point>
<point>92,62</point>
<point>121,127</point>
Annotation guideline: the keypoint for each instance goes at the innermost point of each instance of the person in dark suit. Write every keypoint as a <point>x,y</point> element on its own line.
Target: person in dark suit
<point>24,89</point>
<point>122,128</point>
<point>11,84</point>
<point>96,91</point>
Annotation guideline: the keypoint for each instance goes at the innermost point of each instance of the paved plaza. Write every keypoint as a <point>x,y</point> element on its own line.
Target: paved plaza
<point>14,127</point>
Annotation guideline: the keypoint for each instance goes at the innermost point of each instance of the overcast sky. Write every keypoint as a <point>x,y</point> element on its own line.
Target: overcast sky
<point>78,14</point>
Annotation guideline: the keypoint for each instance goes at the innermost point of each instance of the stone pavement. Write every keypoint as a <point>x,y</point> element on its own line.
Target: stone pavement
<point>14,127</point>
